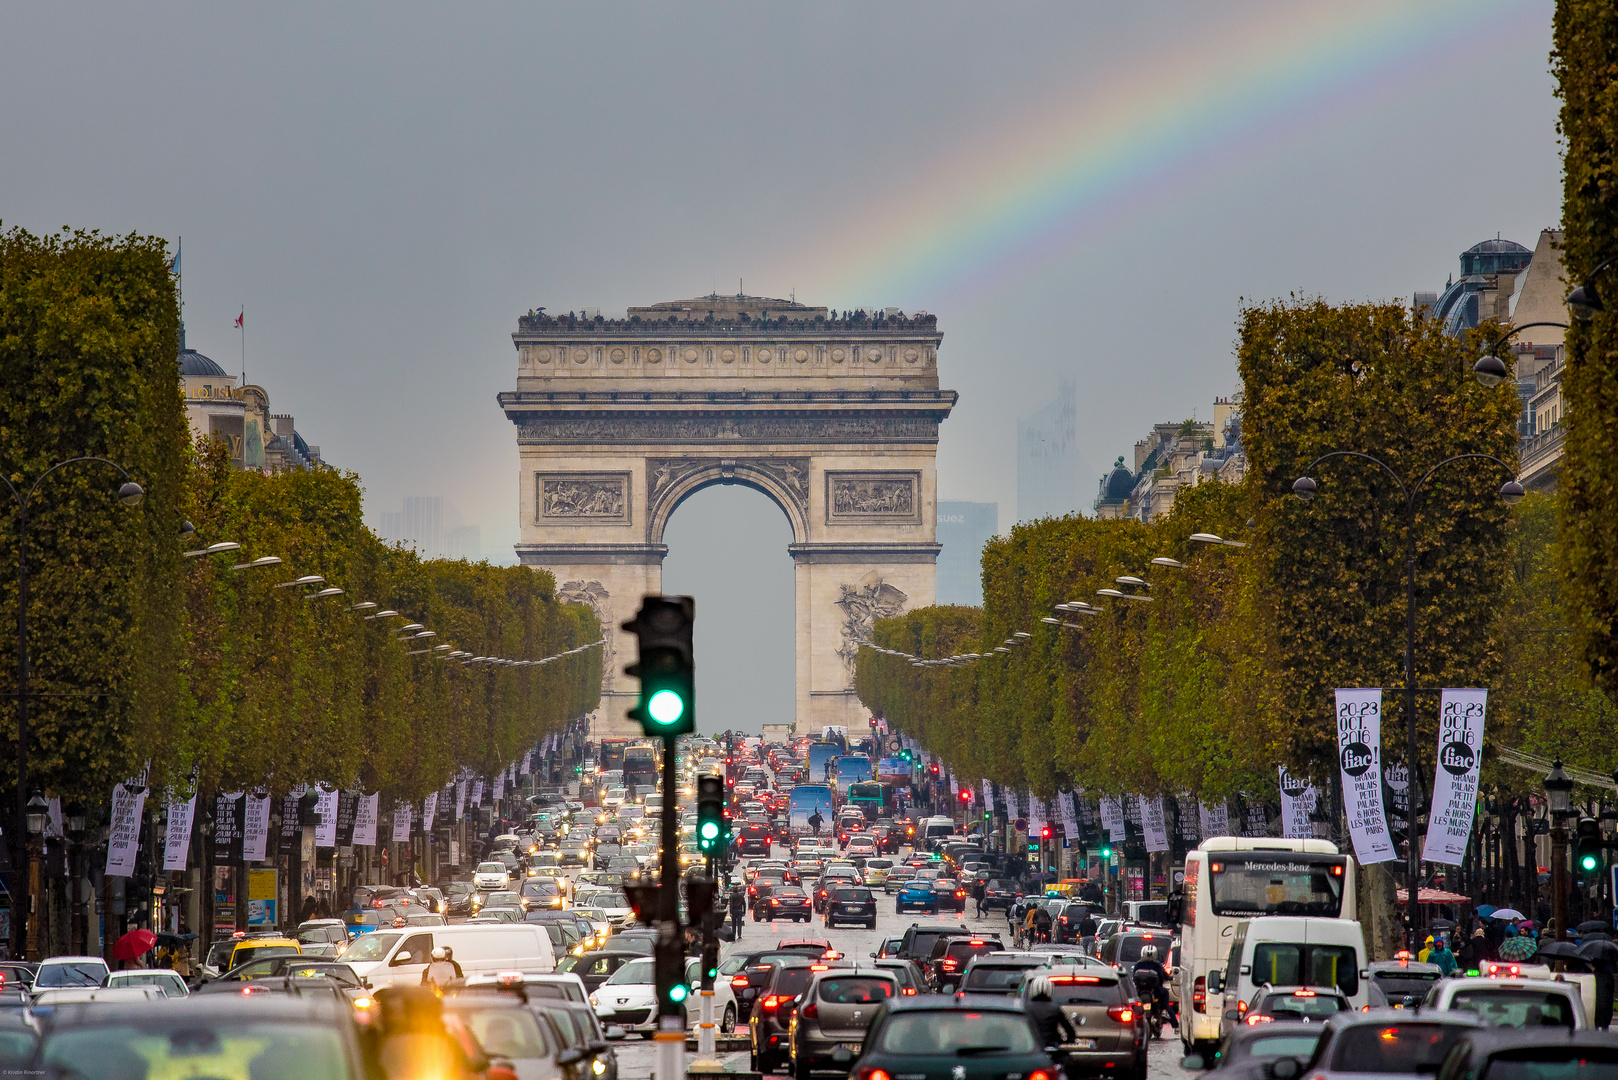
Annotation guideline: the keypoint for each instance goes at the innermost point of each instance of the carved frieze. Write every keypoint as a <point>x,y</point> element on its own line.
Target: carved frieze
<point>863,604</point>
<point>791,475</point>
<point>873,498</point>
<point>618,430</point>
<point>582,498</point>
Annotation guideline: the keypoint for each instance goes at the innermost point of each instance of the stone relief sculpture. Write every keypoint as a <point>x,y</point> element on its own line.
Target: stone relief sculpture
<point>593,595</point>
<point>578,497</point>
<point>876,497</point>
<point>863,604</point>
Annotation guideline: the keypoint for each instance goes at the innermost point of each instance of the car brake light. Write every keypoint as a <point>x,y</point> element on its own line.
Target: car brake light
<point>738,981</point>
<point>1258,1018</point>
<point>1303,993</point>
<point>809,1011</point>
<point>769,1003</point>
<point>877,1074</point>
<point>1123,1014</point>
<point>949,965</point>
<point>1039,1074</point>
<point>1199,994</point>
<point>1241,1006</point>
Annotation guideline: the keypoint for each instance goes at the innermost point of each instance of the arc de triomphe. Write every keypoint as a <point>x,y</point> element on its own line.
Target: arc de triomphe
<point>836,420</point>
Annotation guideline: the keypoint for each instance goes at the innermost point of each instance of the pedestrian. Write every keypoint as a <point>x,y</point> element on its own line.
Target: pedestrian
<point>738,906</point>
<point>1471,955</point>
<point>979,888</point>
<point>1442,956</point>
<point>1426,949</point>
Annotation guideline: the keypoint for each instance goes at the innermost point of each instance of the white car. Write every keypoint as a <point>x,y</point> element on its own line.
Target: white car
<point>612,904</point>
<point>862,846</point>
<point>490,877</point>
<point>169,982</point>
<point>71,973</point>
<point>629,998</point>
<point>614,798</point>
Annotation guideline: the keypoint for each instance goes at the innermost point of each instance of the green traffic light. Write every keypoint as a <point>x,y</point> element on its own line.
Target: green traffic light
<point>1589,862</point>
<point>709,831</point>
<point>1106,853</point>
<point>677,993</point>
<point>666,707</point>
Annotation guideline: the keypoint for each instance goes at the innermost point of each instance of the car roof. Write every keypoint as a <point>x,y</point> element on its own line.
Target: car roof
<point>1492,1040</point>
<point>1406,965</point>
<point>1379,1016</point>
<point>173,1011</point>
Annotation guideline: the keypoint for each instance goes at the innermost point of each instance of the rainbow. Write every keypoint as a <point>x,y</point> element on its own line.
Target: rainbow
<point>996,206</point>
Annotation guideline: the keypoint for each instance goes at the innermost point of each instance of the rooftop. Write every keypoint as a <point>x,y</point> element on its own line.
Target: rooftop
<point>737,313</point>
<point>194,363</point>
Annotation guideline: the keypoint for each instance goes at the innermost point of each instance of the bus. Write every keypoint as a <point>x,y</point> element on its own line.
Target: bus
<point>873,799</point>
<point>1229,879</point>
<point>640,769</point>
<point>822,754</point>
<point>804,801</point>
<point>851,770</point>
<point>612,755</point>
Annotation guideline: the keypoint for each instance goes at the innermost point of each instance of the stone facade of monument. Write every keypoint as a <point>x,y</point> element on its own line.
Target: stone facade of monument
<point>833,416</point>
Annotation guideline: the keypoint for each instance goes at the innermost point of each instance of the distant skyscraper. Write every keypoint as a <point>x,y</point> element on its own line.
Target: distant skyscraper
<point>465,543</point>
<point>423,525</point>
<point>1050,472</point>
<point>963,529</point>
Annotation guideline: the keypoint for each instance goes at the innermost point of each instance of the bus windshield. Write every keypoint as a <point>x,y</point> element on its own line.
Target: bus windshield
<point>1276,885</point>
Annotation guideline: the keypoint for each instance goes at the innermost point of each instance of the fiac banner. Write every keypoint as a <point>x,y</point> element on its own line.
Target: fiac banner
<point>255,827</point>
<point>1359,755</point>
<point>1112,819</point>
<point>401,822</point>
<point>1152,823</point>
<point>123,838</point>
<point>1455,783</point>
<point>365,820</point>
<point>177,844</point>
<point>1297,803</point>
<point>1214,818</point>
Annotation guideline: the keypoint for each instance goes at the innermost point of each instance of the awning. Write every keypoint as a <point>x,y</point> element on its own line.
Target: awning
<point>1432,896</point>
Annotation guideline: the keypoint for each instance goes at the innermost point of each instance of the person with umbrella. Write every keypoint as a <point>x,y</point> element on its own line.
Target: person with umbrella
<point>136,943</point>
<point>1517,946</point>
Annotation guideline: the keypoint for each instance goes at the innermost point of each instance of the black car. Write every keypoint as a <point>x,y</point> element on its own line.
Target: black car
<point>1000,893</point>
<point>458,898</point>
<point>787,902</point>
<point>951,955</point>
<point>770,1021</point>
<point>948,895</point>
<point>970,1038</point>
<point>1248,1052</point>
<point>755,838</point>
<point>851,904</point>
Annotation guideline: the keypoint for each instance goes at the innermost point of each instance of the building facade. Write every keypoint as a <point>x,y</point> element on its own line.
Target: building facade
<point>835,418</point>
<point>963,529</point>
<point>1171,458</point>
<point>239,417</point>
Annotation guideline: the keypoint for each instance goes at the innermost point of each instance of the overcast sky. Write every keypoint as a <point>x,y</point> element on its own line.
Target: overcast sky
<point>1075,189</point>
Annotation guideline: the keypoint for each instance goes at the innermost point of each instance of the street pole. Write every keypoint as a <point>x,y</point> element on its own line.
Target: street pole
<point>1306,488</point>
<point>1559,877</point>
<point>670,945</point>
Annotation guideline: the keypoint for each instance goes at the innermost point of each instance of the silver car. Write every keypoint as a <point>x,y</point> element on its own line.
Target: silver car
<point>1386,1043</point>
<point>828,1028</point>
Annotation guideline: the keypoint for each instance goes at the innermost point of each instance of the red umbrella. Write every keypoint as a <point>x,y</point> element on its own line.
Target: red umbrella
<point>133,944</point>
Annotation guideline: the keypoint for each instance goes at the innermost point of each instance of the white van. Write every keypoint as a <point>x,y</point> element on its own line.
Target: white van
<point>1283,950</point>
<point>937,826</point>
<point>388,957</point>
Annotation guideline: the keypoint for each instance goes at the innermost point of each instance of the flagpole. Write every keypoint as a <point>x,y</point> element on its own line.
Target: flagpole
<point>241,324</point>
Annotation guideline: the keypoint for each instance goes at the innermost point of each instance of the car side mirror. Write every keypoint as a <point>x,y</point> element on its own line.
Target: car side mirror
<point>569,1057</point>
<point>1216,981</point>
<point>1193,1062</point>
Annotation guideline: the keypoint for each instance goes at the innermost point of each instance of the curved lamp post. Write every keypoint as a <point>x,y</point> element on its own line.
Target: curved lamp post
<point>1584,301</point>
<point>1511,492</point>
<point>1492,369</point>
<point>129,493</point>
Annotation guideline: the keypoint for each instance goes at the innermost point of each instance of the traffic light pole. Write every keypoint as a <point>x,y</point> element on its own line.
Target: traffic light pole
<point>670,947</point>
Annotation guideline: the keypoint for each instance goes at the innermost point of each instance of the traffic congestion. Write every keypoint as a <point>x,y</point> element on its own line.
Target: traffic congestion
<point>865,932</point>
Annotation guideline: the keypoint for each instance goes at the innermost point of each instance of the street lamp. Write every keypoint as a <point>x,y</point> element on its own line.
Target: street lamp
<point>1559,796</point>
<point>129,493</point>
<point>1306,489</point>
<point>1491,369</point>
<point>1584,301</point>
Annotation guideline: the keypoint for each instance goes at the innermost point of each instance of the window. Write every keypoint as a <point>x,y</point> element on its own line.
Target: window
<point>506,1032</point>
<point>265,1051</point>
<point>947,1032</point>
<point>1287,964</point>
<point>1396,1048</point>
<point>417,949</point>
<point>370,947</point>
<point>855,991</point>
<point>1554,1063</point>
<point>1516,1008</point>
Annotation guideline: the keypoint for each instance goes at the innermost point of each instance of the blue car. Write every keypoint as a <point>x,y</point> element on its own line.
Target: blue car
<point>916,894</point>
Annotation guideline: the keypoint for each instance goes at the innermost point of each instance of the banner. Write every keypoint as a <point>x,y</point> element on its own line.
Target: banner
<point>499,785</point>
<point>347,813</point>
<point>255,827</point>
<point>1396,778</point>
<point>1297,803</point>
<point>1455,781</point>
<point>988,795</point>
<point>1070,818</point>
<point>289,814</point>
<point>1112,819</point>
<point>54,827</point>
<point>177,844</point>
<point>1359,756</point>
<point>954,786</point>
<point>1214,818</point>
<point>1153,825</point>
<point>1255,818</point>
<point>1036,814</point>
<point>227,826</point>
<point>527,762</point>
<point>124,836</point>
<point>477,792</point>
<point>365,820</point>
<point>1012,811</point>
<point>326,807</point>
<point>401,822</point>
<point>429,812</point>
<point>1190,823</point>
<point>462,789</point>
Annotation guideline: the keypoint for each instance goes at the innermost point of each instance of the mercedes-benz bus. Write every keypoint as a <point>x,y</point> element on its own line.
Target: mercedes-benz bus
<point>1232,878</point>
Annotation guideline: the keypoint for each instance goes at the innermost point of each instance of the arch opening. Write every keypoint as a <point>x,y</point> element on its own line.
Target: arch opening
<point>727,546</point>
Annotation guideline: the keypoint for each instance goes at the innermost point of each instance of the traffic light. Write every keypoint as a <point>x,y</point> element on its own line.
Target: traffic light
<point>710,814</point>
<point>1587,847</point>
<point>1106,851</point>
<point>666,665</point>
<point>1045,832</point>
<point>966,796</point>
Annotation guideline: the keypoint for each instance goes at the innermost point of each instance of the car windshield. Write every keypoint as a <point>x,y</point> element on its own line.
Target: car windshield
<point>1307,965</point>
<point>70,974</point>
<point>956,1030</point>
<point>1129,949</point>
<point>1395,1048</point>
<point>505,1032</point>
<point>1299,1046</point>
<point>791,981</point>
<point>636,971</point>
<point>492,868</point>
<point>855,990</point>
<point>373,946</point>
<point>994,978</point>
<point>1515,1008</point>
<point>157,1048</point>
<point>1310,1007</point>
<point>1554,1063</point>
<point>853,896</point>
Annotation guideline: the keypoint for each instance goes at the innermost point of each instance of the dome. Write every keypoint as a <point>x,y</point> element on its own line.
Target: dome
<point>1494,256</point>
<point>1120,482</point>
<point>194,363</point>
<point>1498,247</point>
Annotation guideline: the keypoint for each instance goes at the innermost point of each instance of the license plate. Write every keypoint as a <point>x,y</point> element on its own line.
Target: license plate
<point>852,1048</point>
<point>1086,1044</point>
